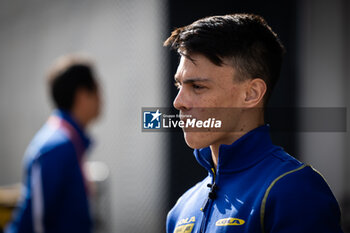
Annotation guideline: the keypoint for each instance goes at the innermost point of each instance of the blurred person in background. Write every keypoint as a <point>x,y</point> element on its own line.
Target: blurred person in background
<point>55,190</point>
<point>233,62</point>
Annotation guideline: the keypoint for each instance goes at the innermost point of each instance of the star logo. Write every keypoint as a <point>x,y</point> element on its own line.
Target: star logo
<point>151,119</point>
<point>156,115</point>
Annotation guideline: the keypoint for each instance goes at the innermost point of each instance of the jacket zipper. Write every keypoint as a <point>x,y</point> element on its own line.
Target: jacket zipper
<point>206,207</point>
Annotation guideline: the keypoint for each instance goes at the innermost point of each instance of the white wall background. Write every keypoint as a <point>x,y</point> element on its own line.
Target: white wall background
<point>324,83</point>
<point>125,38</point>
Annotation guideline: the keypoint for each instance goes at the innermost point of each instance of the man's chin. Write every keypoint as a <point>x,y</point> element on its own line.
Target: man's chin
<point>195,140</point>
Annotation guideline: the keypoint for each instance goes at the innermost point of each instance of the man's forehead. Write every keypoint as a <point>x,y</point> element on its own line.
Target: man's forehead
<point>187,68</point>
<point>200,69</point>
<point>191,74</point>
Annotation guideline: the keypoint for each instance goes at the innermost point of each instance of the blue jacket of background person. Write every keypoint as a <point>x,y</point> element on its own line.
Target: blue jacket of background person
<point>54,197</point>
<point>257,187</point>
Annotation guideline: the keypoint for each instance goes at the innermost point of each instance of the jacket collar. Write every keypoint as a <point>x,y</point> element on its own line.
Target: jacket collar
<point>65,115</point>
<point>241,154</point>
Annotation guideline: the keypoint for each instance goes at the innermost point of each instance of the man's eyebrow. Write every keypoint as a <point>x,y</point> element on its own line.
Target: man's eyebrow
<point>192,80</point>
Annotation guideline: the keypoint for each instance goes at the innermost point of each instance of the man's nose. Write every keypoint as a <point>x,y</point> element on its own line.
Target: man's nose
<point>181,101</point>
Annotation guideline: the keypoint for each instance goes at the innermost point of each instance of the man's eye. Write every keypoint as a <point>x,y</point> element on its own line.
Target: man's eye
<point>197,87</point>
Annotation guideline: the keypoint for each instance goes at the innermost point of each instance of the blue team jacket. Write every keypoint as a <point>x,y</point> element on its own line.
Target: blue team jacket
<point>54,192</point>
<point>257,187</point>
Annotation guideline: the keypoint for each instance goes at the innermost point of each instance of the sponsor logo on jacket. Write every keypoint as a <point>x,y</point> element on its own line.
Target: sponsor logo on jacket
<point>230,222</point>
<point>185,225</point>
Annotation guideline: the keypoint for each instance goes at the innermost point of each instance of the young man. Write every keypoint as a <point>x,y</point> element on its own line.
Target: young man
<point>55,193</point>
<point>233,62</point>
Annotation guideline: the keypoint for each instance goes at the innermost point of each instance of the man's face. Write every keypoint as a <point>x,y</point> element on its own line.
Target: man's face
<point>203,86</point>
<point>88,103</point>
<point>94,103</point>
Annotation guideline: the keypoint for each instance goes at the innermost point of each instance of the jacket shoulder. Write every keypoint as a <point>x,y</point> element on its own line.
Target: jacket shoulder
<point>300,200</point>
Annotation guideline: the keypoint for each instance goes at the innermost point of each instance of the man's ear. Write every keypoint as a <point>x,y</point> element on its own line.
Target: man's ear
<point>256,89</point>
<point>79,98</point>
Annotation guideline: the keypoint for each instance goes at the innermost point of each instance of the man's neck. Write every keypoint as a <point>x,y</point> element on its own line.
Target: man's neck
<point>215,147</point>
<point>229,140</point>
<point>79,118</point>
